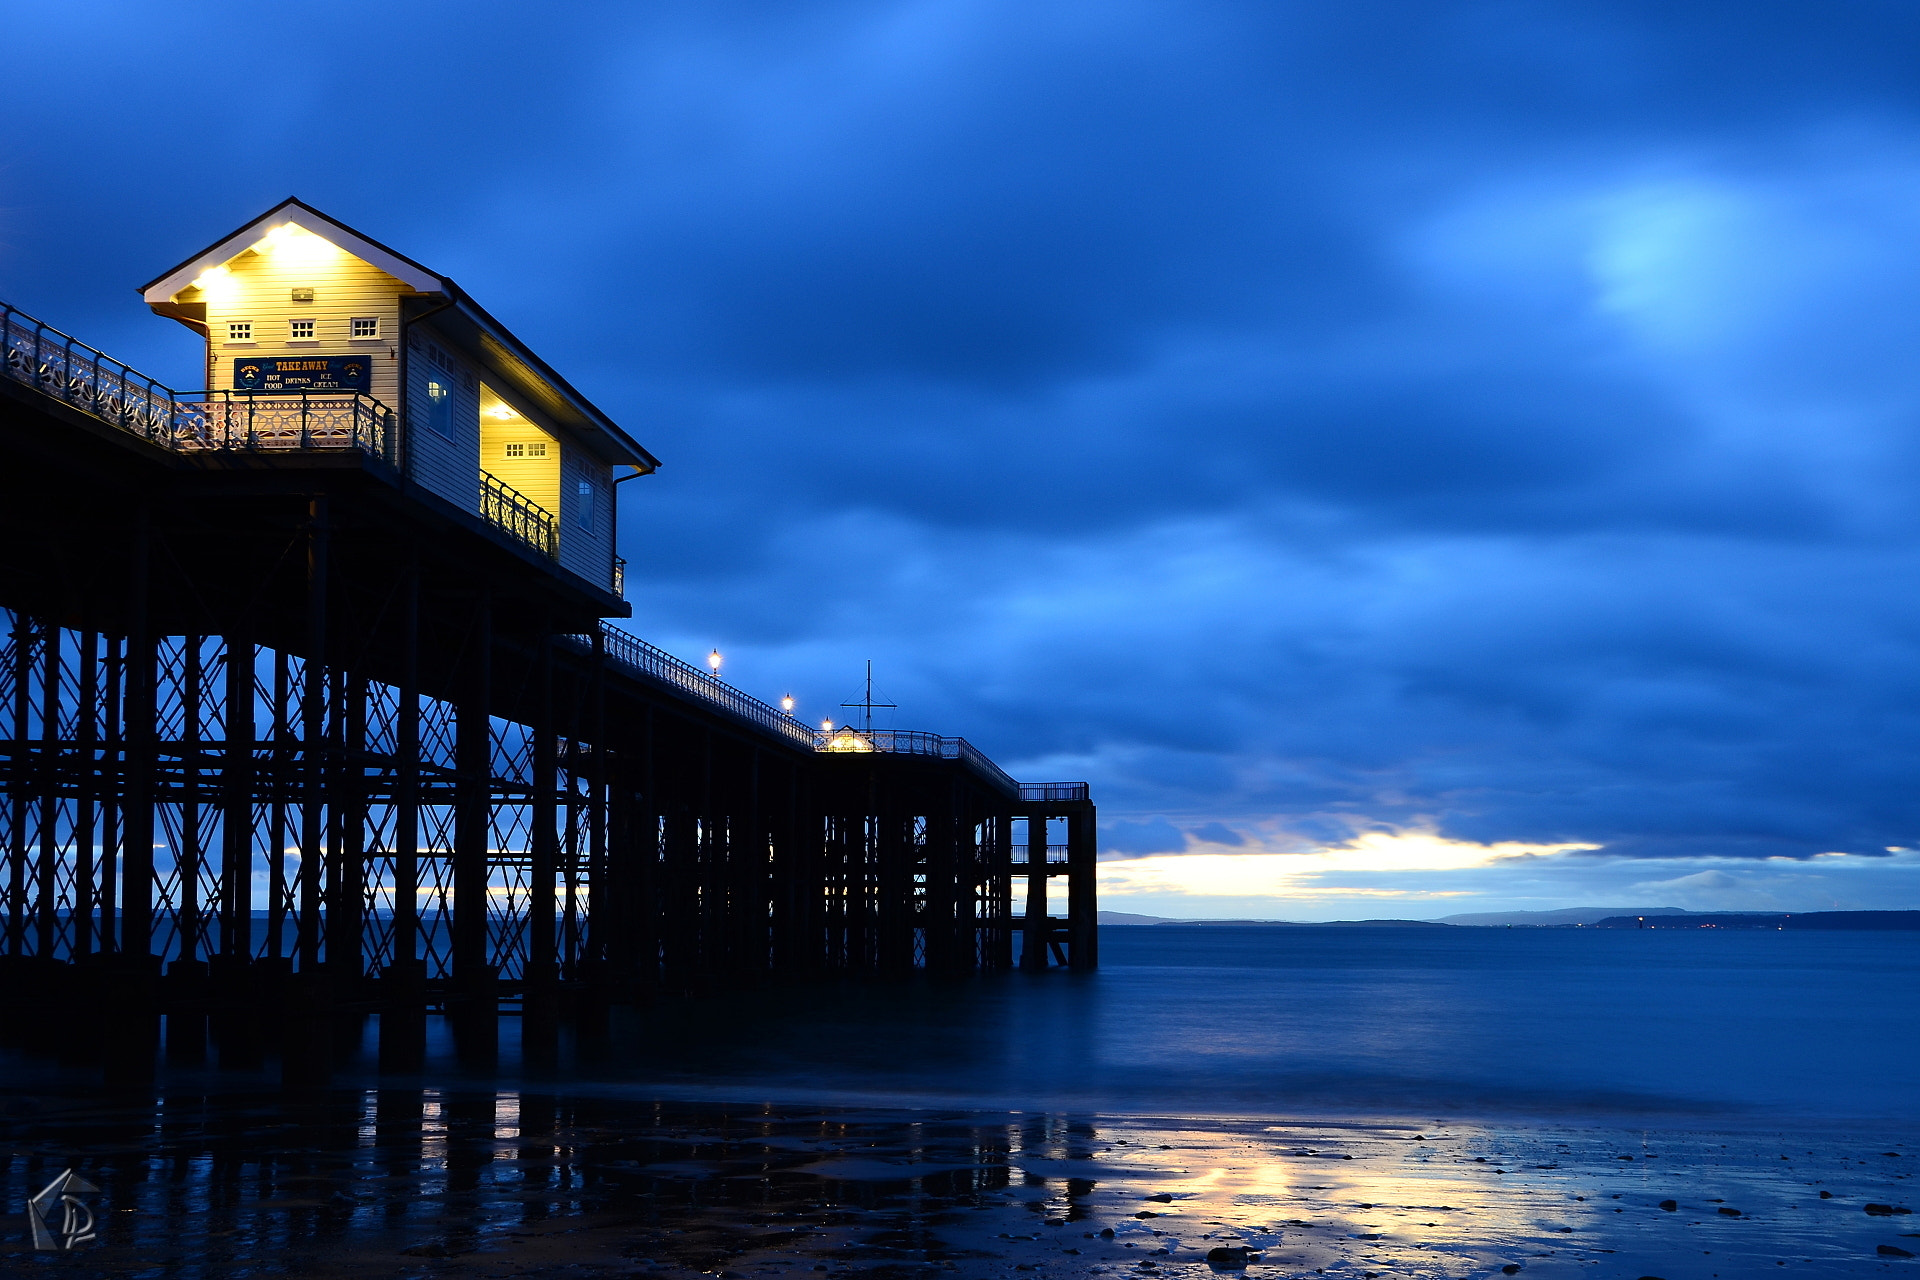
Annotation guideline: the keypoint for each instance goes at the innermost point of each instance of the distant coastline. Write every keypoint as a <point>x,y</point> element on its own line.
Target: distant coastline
<point>1583,918</point>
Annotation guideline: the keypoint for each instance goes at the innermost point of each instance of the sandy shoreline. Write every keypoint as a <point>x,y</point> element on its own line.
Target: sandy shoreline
<point>429,1183</point>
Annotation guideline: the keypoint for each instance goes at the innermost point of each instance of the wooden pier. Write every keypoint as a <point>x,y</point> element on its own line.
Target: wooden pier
<point>297,718</point>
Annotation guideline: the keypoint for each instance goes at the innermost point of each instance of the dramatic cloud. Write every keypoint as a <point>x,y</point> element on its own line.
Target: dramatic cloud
<point>1310,423</point>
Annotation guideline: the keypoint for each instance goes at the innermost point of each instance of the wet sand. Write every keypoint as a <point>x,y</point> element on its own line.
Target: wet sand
<point>424,1183</point>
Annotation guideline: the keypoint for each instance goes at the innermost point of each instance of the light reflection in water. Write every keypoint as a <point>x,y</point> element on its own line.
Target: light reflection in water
<point>367,1180</point>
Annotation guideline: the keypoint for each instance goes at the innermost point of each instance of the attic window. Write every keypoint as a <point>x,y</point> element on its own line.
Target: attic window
<point>240,331</point>
<point>366,326</point>
<point>299,329</point>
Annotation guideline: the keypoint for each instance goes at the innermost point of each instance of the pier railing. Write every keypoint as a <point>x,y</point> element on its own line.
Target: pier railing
<point>636,654</point>
<point>1054,792</point>
<point>913,742</point>
<point>254,421</point>
<point>511,511</point>
<point>85,378</point>
<point>625,649</point>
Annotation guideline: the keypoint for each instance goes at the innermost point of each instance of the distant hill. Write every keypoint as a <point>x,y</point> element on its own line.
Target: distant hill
<point>1555,919</point>
<point>1855,920</point>
<point>1124,918</point>
<point>1321,924</point>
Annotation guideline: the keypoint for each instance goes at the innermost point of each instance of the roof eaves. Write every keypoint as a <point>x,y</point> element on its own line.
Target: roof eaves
<point>422,279</point>
<point>545,372</point>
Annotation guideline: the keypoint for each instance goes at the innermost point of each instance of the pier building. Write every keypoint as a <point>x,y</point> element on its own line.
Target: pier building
<point>310,709</point>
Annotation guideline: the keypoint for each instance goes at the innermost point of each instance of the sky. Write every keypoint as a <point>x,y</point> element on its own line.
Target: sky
<point>1410,458</point>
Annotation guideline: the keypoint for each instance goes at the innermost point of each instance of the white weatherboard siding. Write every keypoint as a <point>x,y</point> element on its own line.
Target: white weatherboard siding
<point>448,467</point>
<point>257,287</point>
<point>586,547</point>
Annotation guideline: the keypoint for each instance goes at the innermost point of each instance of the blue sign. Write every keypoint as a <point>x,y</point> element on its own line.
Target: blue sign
<point>292,375</point>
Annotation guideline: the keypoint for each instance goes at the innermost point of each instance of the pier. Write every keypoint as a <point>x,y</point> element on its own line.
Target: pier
<point>312,709</point>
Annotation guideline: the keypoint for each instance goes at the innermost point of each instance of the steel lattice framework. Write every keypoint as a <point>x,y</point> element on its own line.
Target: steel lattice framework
<point>281,735</point>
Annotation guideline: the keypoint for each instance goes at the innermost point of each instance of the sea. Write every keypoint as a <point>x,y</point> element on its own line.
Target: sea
<point>1329,1101</point>
<point>1668,1025</point>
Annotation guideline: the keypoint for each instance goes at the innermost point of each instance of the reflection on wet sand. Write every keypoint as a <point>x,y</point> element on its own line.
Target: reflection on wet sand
<point>408,1182</point>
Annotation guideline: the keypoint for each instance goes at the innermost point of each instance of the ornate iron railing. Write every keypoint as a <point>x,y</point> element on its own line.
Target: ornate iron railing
<point>41,356</point>
<point>912,742</point>
<point>1042,792</point>
<point>519,516</point>
<point>636,654</point>
<point>256,421</point>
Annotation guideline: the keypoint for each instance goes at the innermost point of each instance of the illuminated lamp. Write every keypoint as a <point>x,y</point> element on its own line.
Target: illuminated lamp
<point>714,660</point>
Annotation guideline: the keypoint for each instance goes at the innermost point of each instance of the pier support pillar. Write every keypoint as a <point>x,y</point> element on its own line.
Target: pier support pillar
<point>403,1017</point>
<point>1083,921</point>
<point>1033,945</point>
<point>473,1004</point>
<point>539,1012</point>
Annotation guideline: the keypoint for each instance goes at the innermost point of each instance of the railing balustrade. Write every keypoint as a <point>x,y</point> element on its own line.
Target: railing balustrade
<point>914,742</point>
<point>1044,792</point>
<point>257,421</point>
<point>518,515</point>
<point>631,651</point>
<point>40,356</point>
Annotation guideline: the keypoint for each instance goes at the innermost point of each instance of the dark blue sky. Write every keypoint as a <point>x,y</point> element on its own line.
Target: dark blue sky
<point>1491,427</point>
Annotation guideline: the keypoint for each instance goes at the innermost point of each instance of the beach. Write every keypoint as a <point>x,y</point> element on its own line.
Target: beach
<point>407,1183</point>
<point>1345,1104</point>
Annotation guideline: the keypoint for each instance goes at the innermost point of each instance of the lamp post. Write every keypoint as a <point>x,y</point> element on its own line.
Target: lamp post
<point>786,705</point>
<point>714,660</point>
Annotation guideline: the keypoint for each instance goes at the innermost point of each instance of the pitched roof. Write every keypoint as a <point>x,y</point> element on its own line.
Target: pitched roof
<point>307,218</point>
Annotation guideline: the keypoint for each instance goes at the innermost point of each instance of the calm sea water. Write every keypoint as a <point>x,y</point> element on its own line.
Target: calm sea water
<point>1666,1025</point>
<point>1637,1068</point>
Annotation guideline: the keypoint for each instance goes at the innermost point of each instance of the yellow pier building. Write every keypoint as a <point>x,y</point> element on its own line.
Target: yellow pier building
<point>317,332</point>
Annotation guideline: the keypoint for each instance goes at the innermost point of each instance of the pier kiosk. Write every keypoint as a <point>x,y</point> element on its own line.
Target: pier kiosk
<point>302,312</point>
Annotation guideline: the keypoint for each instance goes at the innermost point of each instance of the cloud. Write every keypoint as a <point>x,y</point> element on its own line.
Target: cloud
<point>1298,420</point>
<point>1140,838</point>
<point>1302,874</point>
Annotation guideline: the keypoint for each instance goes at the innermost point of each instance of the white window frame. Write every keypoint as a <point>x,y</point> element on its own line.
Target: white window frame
<point>294,326</point>
<point>239,331</point>
<point>353,328</point>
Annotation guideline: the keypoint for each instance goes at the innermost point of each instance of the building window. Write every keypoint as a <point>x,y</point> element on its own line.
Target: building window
<point>440,403</point>
<point>299,330</point>
<point>583,508</point>
<point>240,331</point>
<point>366,327</point>
<point>527,449</point>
